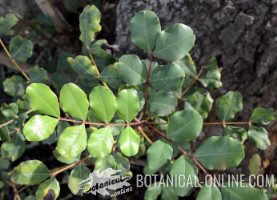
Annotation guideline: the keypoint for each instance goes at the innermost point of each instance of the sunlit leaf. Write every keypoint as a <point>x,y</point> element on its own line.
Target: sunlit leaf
<point>129,142</point>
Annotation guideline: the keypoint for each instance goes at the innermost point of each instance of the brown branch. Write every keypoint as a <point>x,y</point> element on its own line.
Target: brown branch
<point>224,123</point>
<point>55,172</point>
<point>13,60</point>
<point>15,191</point>
<point>145,135</point>
<point>6,123</point>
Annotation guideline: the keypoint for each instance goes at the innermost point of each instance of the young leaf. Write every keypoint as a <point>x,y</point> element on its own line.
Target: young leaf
<point>103,102</point>
<point>21,49</point>
<point>13,149</point>
<point>71,143</point>
<point>49,186</point>
<point>83,66</point>
<point>213,75</point>
<point>39,127</point>
<point>131,70</point>
<point>153,191</point>
<point>129,142</point>
<point>184,126</point>
<point>15,86</point>
<point>158,154</point>
<point>100,142</point>
<point>255,164</point>
<point>77,175</point>
<point>263,116</point>
<point>162,104</point>
<point>242,191</point>
<point>74,101</point>
<point>174,43</point>
<point>260,136</point>
<point>89,24</point>
<point>145,27</point>
<point>30,172</point>
<point>42,99</point>
<point>236,132</point>
<point>202,102</point>
<point>9,111</point>
<point>183,167</point>
<point>220,152</point>
<point>6,23</point>
<point>128,104</point>
<point>228,105</point>
<point>210,193</point>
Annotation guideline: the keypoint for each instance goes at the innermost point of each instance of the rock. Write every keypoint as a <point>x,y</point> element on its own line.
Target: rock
<point>241,34</point>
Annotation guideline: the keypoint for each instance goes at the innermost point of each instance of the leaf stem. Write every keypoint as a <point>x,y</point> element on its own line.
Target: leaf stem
<point>55,172</point>
<point>223,123</point>
<point>13,60</point>
<point>196,78</point>
<point>145,135</point>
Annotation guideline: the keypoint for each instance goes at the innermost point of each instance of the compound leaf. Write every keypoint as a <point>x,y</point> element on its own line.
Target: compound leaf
<point>21,49</point>
<point>103,103</point>
<point>100,142</point>
<point>30,172</point>
<point>89,24</point>
<point>71,143</point>
<point>145,27</point>
<point>74,101</point>
<point>174,43</point>
<point>220,152</point>
<point>228,105</point>
<point>129,142</point>
<point>42,99</point>
<point>128,104</point>
<point>39,127</point>
<point>184,126</point>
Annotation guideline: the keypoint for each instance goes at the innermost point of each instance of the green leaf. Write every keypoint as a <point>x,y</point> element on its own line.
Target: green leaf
<point>9,111</point>
<point>15,86</point>
<point>202,102</point>
<point>263,116</point>
<point>100,142</point>
<point>212,78</point>
<point>236,132</point>
<point>145,27</point>
<point>210,193</point>
<point>50,186</point>
<point>174,42</point>
<point>89,24</point>
<point>103,102</point>
<point>6,23</point>
<point>161,103</point>
<point>167,77</point>
<point>129,142</point>
<point>77,175</point>
<point>114,161</point>
<point>4,164</point>
<point>21,49</point>
<point>242,192</point>
<point>74,101</point>
<point>183,168</point>
<point>220,152</point>
<point>158,154</point>
<point>71,143</point>
<point>39,127</point>
<point>184,126</point>
<point>169,193</point>
<point>188,65</point>
<point>260,136</point>
<point>83,66</point>
<point>111,76</point>
<point>42,99</point>
<point>255,164</point>
<point>13,149</point>
<point>228,105</point>
<point>153,191</point>
<point>38,74</point>
<point>131,70</point>
<point>128,104</point>
<point>30,172</point>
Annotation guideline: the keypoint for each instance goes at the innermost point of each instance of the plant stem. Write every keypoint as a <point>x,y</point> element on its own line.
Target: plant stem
<point>6,123</point>
<point>222,123</point>
<point>145,135</point>
<point>55,172</point>
<point>137,123</point>
<point>196,78</point>
<point>13,60</point>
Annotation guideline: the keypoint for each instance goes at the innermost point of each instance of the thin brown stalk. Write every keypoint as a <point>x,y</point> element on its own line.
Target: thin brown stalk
<point>145,135</point>
<point>6,123</point>
<point>13,60</point>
